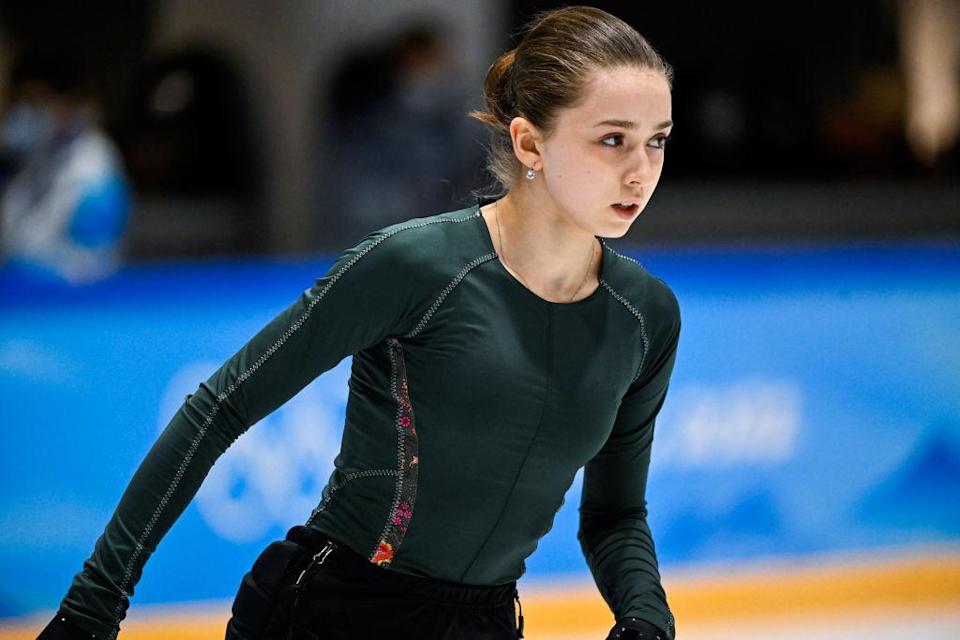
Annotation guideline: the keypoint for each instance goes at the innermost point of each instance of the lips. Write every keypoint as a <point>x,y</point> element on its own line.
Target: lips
<point>625,212</point>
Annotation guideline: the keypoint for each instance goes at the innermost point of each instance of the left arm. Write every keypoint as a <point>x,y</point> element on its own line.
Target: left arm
<point>614,535</point>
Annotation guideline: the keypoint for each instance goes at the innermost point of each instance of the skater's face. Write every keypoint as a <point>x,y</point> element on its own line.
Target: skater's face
<point>608,148</point>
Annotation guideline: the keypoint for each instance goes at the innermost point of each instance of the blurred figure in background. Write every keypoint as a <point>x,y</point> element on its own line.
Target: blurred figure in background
<point>930,54</point>
<point>65,202</point>
<point>192,156</point>
<point>399,146</point>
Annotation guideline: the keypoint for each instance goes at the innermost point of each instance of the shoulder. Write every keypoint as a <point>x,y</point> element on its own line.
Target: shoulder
<point>639,288</point>
<point>654,305</point>
<point>425,239</point>
<point>419,252</point>
<point>395,273</point>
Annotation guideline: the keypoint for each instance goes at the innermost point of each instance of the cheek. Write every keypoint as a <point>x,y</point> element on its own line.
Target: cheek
<point>657,163</point>
<point>571,161</point>
<point>576,171</point>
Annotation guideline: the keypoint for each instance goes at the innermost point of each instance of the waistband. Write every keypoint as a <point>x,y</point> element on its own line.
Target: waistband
<point>403,584</point>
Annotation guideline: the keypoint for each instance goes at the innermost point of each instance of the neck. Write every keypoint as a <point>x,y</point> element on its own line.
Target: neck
<point>546,247</point>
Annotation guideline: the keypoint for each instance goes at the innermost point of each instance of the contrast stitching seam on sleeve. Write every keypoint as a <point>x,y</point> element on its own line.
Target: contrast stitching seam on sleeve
<point>446,291</point>
<point>229,391</point>
<point>643,325</point>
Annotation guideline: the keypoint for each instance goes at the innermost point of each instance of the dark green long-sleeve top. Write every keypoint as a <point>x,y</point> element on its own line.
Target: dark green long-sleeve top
<point>472,404</point>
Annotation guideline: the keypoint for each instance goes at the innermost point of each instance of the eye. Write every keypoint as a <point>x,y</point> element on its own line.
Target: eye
<point>611,137</point>
<point>660,142</point>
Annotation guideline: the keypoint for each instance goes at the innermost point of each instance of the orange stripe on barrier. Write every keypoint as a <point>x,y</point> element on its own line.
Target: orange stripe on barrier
<point>799,591</point>
<point>697,598</point>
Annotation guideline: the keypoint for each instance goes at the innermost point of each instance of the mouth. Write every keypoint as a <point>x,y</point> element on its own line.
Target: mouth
<point>626,212</point>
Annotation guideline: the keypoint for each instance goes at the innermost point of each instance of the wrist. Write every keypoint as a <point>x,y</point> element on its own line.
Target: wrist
<point>63,628</point>
<point>635,629</point>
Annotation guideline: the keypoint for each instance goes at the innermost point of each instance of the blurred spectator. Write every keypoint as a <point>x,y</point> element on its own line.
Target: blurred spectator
<point>192,158</point>
<point>65,204</point>
<point>930,54</point>
<point>401,145</point>
<point>190,128</point>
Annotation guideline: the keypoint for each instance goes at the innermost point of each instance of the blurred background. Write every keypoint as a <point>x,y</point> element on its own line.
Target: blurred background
<point>174,172</point>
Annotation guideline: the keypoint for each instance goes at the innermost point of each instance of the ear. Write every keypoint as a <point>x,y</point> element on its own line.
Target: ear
<point>527,141</point>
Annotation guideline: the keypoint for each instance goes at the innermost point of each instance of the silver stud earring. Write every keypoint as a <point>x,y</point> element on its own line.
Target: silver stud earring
<point>531,174</point>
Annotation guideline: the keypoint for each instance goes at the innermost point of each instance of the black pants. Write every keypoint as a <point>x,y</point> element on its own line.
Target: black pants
<point>311,587</point>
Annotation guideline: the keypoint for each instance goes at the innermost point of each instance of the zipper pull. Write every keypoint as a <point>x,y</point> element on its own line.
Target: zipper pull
<point>323,553</point>
<point>516,596</point>
<point>318,559</point>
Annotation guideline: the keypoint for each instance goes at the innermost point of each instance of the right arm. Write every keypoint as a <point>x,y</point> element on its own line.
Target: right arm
<point>364,297</point>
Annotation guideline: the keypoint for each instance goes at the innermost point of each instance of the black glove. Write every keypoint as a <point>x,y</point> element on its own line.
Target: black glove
<point>635,629</point>
<point>62,628</point>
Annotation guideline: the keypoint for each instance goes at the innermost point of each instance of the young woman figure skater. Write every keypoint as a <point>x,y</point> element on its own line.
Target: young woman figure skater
<point>496,350</point>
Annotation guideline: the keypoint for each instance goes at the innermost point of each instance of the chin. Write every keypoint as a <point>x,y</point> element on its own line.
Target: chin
<point>616,232</point>
<point>617,228</point>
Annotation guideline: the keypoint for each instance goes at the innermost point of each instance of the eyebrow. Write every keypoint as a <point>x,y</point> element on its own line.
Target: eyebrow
<point>627,124</point>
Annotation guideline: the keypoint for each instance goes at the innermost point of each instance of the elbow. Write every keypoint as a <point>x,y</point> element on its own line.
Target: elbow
<point>597,520</point>
<point>213,417</point>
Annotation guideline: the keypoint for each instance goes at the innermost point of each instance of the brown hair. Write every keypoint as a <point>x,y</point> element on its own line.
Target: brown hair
<point>547,71</point>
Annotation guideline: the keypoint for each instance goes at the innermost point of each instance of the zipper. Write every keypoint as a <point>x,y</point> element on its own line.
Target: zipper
<point>516,596</point>
<point>318,559</point>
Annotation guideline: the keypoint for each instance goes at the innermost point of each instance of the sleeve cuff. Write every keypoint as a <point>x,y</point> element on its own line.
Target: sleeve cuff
<point>635,629</point>
<point>63,628</point>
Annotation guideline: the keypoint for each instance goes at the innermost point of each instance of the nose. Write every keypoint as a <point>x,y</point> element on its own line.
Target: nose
<point>643,170</point>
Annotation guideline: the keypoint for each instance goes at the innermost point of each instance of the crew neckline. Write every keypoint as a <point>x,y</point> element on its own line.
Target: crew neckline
<point>488,240</point>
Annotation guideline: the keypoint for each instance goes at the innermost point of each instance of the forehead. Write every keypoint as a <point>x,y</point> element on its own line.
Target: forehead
<point>622,93</point>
